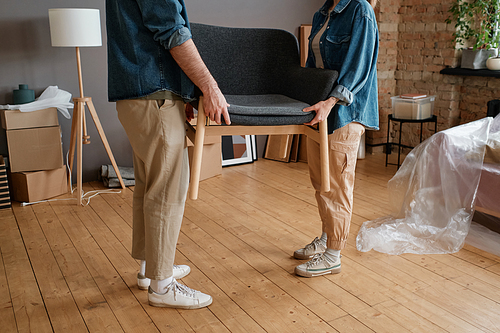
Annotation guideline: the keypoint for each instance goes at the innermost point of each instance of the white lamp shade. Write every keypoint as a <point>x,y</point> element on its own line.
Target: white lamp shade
<point>73,27</point>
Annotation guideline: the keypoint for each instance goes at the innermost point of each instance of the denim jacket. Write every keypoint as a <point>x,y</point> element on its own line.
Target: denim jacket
<point>349,46</point>
<point>140,35</point>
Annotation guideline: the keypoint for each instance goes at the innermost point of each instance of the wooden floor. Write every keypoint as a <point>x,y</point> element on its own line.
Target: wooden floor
<point>68,269</point>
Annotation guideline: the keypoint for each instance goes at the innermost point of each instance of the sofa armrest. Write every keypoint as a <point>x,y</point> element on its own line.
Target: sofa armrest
<point>309,85</point>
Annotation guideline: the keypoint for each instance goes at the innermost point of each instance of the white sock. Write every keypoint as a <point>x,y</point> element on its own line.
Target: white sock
<point>159,286</point>
<point>332,254</point>
<point>323,238</point>
<point>142,269</point>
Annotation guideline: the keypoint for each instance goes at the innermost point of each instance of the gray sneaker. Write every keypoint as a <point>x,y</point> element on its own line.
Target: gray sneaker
<point>320,264</point>
<point>180,297</point>
<point>315,247</point>
<point>180,271</point>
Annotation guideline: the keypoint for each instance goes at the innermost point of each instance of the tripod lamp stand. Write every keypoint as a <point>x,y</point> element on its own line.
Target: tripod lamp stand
<point>79,27</point>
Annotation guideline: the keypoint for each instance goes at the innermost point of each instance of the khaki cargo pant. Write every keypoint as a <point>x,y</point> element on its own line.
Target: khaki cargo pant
<point>335,207</point>
<point>156,131</point>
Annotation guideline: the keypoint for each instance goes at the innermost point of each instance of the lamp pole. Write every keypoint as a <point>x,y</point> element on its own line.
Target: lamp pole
<point>77,27</point>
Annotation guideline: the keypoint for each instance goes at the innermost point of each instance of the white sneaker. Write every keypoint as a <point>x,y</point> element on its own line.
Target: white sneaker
<point>320,264</point>
<point>315,247</point>
<point>180,271</point>
<point>180,297</point>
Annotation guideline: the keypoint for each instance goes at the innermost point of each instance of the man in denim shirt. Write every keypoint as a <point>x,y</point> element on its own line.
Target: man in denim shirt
<point>153,66</point>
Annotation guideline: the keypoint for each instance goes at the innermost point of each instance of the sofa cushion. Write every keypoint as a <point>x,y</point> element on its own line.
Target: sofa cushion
<point>267,110</point>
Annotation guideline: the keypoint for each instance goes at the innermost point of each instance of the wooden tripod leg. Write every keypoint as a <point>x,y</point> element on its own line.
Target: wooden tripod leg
<point>72,142</point>
<point>324,158</point>
<point>197,152</point>
<point>79,152</point>
<point>100,130</point>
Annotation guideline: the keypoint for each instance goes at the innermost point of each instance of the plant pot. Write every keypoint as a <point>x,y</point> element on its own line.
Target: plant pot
<point>476,59</point>
<point>493,64</point>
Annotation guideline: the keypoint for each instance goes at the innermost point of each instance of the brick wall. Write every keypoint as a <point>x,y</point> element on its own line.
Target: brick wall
<point>387,12</point>
<point>415,45</point>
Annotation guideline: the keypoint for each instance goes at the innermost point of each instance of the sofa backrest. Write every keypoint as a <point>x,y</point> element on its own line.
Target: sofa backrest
<point>247,61</point>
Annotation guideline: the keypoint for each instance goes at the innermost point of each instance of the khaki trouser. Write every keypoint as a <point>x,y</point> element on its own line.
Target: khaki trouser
<point>155,129</point>
<point>335,207</point>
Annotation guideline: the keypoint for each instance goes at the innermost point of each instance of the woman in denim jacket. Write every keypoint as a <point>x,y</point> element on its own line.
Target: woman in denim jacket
<point>344,37</point>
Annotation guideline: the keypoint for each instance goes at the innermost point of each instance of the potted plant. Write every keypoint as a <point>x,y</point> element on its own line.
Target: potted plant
<point>476,29</point>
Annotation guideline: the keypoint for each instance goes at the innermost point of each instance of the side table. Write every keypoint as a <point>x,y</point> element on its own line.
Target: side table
<point>389,144</point>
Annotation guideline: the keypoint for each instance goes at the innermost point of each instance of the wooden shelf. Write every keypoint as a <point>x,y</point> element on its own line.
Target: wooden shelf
<point>470,72</point>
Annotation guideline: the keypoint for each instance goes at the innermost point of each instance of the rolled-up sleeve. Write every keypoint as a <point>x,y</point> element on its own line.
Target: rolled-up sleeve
<point>166,20</point>
<point>343,94</point>
<point>179,37</point>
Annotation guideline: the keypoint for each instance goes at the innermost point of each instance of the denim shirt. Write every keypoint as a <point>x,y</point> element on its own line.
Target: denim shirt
<point>140,35</point>
<point>349,46</point>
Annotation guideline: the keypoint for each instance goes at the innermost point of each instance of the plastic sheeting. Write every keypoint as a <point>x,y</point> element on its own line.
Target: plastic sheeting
<point>52,97</point>
<point>484,239</point>
<point>433,194</point>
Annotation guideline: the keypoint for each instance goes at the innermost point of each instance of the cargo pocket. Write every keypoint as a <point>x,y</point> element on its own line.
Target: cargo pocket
<point>339,159</point>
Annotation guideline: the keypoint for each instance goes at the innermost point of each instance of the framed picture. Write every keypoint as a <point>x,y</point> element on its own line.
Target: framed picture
<point>238,149</point>
<point>279,147</point>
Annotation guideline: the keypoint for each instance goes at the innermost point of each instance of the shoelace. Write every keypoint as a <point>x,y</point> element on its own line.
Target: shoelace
<point>180,288</point>
<point>318,258</point>
<point>315,243</point>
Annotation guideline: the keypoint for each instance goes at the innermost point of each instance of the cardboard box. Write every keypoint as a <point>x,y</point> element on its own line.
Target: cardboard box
<point>39,185</point>
<point>15,119</point>
<point>211,161</point>
<point>4,186</point>
<point>35,149</point>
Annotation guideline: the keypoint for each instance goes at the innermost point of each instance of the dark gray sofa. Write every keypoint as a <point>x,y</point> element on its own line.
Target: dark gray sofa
<point>259,72</point>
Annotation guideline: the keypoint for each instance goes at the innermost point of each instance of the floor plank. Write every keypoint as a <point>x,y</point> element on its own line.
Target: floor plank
<point>91,303</point>
<point>257,257</point>
<point>97,250</point>
<point>68,268</point>
<point>27,302</point>
<point>7,317</point>
<point>61,307</point>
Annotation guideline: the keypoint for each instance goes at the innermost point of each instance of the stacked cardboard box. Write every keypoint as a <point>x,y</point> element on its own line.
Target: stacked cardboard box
<point>211,164</point>
<point>35,154</point>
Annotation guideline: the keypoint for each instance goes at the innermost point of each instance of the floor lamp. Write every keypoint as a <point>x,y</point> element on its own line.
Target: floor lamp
<point>78,27</point>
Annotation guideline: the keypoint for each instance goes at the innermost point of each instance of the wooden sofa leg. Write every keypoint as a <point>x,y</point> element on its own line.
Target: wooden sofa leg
<point>197,152</point>
<point>324,158</point>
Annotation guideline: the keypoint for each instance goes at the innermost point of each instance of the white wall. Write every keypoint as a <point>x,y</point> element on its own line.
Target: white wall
<point>26,56</point>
